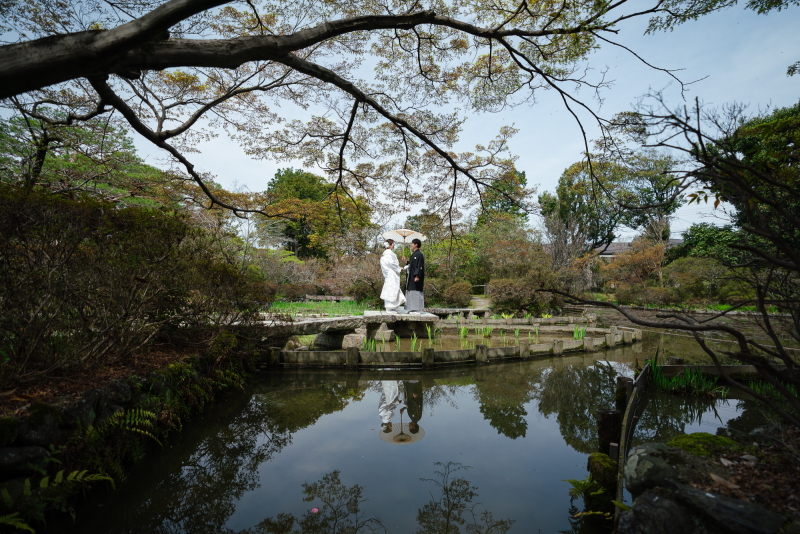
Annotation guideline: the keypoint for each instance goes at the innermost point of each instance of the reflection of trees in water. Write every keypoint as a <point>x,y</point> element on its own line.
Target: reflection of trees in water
<point>753,414</point>
<point>502,396</point>
<point>200,494</point>
<point>295,409</point>
<point>452,507</point>
<point>340,510</point>
<point>666,415</point>
<point>574,393</point>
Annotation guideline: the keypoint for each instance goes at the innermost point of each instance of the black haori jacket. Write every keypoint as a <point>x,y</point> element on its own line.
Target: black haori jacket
<point>416,267</point>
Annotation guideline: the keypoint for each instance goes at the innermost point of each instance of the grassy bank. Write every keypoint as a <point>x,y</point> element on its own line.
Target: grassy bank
<point>332,309</point>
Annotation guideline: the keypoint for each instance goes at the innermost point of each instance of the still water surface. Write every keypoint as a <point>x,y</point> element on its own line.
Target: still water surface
<point>496,444</point>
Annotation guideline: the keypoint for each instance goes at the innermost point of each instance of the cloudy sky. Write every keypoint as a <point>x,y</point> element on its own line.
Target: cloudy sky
<point>742,57</point>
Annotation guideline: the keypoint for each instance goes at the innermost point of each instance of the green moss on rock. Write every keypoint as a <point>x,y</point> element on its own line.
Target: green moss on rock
<point>703,443</point>
<point>603,469</point>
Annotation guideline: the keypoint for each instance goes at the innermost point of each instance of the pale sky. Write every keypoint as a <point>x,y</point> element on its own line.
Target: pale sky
<point>743,55</point>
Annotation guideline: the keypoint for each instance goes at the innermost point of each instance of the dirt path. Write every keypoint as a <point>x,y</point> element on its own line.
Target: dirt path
<point>480,303</point>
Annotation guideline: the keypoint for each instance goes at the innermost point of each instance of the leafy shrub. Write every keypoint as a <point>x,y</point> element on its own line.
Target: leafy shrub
<point>645,296</point>
<point>658,296</point>
<point>361,276</point>
<point>365,292</point>
<point>105,281</point>
<point>458,295</point>
<point>511,295</point>
<point>435,291</point>
<point>625,294</point>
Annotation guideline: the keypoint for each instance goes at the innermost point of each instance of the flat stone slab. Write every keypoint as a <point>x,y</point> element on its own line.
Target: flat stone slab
<point>373,316</point>
<point>327,324</point>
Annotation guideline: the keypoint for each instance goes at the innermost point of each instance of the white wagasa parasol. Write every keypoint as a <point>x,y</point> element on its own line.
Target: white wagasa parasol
<point>404,234</point>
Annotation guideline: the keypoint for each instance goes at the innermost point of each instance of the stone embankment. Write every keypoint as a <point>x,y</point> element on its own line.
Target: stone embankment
<point>353,357</point>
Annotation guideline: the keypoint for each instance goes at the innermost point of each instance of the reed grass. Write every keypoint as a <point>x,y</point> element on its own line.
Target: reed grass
<point>690,382</point>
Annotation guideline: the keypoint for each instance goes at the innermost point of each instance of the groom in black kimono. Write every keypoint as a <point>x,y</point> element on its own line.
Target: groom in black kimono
<point>416,278</point>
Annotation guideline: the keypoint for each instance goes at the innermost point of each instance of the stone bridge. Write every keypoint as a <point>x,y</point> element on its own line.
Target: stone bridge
<point>331,331</point>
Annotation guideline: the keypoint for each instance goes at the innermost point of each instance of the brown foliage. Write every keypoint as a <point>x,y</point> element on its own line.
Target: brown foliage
<point>297,291</point>
<point>458,295</point>
<point>518,295</point>
<point>638,265</point>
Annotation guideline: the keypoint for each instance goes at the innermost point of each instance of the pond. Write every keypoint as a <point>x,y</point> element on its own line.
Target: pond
<point>492,447</point>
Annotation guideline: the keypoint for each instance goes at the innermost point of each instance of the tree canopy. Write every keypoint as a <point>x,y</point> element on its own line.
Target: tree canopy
<point>320,211</point>
<point>182,71</point>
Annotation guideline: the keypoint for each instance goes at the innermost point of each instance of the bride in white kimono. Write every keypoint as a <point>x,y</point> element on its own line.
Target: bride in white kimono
<point>392,297</point>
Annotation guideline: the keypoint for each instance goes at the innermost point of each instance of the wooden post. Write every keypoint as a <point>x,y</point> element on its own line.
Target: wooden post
<point>510,320</point>
<point>485,319</point>
<point>427,357</point>
<point>629,387</point>
<point>524,350</point>
<point>571,319</point>
<point>609,340</point>
<point>613,451</point>
<point>352,357</point>
<point>460,318</point>
<point>481,354</point>
<point>558,346</point>
<point>621,393</point>
<point>532,320</point>
<point>609,428</point>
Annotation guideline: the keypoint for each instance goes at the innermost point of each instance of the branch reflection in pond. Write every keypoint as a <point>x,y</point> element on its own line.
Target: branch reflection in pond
<point>340,512</point>
<point>574,393</point>
<point>454,507</point>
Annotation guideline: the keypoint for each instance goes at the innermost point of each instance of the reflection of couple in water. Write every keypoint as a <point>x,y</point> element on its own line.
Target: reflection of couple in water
<point>390,400</point>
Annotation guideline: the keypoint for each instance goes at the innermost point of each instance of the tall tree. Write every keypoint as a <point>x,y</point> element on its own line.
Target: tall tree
<point>587,195</point>
<point>751,163</point>
<point>318,210</point>
<point>507,198</point>
<point>178,71</point>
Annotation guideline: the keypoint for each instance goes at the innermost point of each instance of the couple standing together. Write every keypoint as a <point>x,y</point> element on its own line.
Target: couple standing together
<point>392,296</point>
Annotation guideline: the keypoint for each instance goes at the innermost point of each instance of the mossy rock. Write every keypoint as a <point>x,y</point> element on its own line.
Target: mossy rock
<point>8,430</point>
<point>603,469</point>
<point>703,443</point>
<point>39,413</point>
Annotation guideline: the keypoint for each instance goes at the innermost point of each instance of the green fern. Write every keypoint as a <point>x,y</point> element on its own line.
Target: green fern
<point>137,421</point>
<point>15,521</point>
<point>582,487</point>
